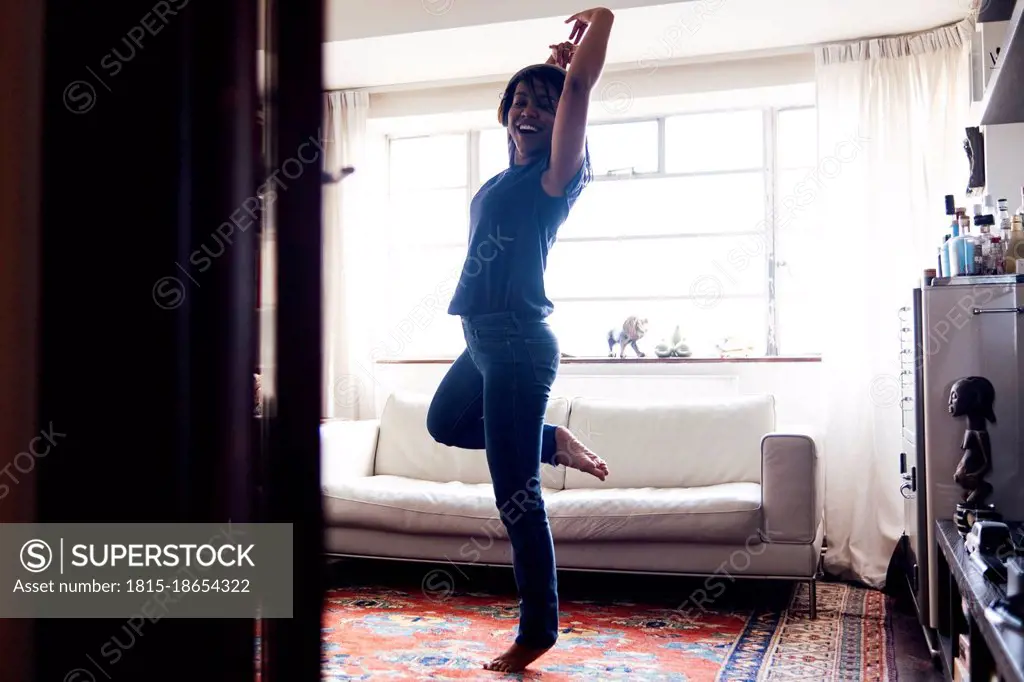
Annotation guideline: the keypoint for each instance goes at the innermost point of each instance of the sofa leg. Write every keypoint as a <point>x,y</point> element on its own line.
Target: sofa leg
<point>812,598</point>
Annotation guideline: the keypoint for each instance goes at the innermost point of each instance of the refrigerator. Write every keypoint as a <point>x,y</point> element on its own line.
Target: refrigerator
<point>954,328</point>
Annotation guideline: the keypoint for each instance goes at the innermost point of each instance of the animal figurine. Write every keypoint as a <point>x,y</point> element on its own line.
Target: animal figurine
<point>676,347</point>
<point>731,347</point>
<point>631,331</point>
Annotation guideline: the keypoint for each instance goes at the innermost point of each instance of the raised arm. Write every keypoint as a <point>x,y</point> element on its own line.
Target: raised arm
<point>570,129</point>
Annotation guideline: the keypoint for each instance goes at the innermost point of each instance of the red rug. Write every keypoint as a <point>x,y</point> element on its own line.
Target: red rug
<point>375,634</point>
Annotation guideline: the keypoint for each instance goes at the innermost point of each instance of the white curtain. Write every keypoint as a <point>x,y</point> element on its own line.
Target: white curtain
<point>891,120</point>
<point>345,226</point>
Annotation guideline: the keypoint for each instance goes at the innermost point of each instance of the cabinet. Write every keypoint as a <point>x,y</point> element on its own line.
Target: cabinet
<point>992,651</point>
<point>996,88</point>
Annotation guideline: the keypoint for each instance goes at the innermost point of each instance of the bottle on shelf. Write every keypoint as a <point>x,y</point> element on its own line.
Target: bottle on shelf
<point>951,229</point>
<point>952,258</point>
<point>966,246</point>
<point>984,254</point>
<point>998,256</point>
<point>972,250</point>
<point>1014,247</point>
<point>957,246</point>
<point>1020,210</point>
<point>944,257</point>
<point>1005,220</point>
<point>990,205</point>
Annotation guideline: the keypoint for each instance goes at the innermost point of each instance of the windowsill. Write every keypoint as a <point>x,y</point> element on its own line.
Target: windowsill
<point>630,361</point>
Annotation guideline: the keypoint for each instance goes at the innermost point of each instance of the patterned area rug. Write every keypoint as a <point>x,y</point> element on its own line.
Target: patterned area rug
<point>372,634</point>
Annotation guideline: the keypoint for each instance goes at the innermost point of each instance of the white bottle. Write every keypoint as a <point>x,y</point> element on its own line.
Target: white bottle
<point>1004,221</point>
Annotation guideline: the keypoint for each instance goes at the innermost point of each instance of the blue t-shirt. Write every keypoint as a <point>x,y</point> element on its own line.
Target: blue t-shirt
<point>513,224</point>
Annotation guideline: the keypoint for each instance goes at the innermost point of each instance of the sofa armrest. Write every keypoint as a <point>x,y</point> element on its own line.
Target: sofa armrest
<point>347,450</point>
<point>792,502</point>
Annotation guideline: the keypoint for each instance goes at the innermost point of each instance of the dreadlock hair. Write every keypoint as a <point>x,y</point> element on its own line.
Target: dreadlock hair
<point>536,77</point>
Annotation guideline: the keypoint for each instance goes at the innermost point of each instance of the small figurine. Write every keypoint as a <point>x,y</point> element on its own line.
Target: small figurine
<point>973,397</point>
<point>675,347</point>
<point>731,347</point>
<point>631,331</point>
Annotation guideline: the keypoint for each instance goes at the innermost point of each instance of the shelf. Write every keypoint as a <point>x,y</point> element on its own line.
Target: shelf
<point>1004,97</point>
<point>946,655</point>
<point>992,648</point>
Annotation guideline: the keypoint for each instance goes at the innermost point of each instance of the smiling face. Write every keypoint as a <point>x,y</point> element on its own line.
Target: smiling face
<point>531,118</point>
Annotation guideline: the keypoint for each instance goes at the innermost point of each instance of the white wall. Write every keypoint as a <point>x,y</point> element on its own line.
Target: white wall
<point>353,19</point>
<point>795,385</point>
<point>643,89</point>
<point>1004,162</point>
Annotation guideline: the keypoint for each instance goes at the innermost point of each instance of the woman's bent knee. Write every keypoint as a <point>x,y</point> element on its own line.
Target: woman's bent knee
<point>438,428</point>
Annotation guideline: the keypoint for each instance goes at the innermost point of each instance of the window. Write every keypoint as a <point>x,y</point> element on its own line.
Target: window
<point>701,143</point>
<point>427,215</point>
<point>677,227</point>
<point>623,147</point>
<point>796,242</point>
<point>493,155</point>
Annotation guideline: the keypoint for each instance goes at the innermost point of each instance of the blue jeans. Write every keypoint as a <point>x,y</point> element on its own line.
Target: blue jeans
<point>494,398</point>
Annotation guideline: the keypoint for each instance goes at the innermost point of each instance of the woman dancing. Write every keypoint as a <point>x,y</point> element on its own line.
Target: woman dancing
<point>495,395</point>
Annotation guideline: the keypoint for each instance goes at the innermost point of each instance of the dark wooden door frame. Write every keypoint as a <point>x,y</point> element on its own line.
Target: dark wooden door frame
<point>147,148</point>
<point>295,30</point>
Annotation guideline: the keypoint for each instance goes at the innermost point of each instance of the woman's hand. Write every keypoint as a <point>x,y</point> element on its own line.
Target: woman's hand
<point>583,20</point>
<point>569,134</point>
<point>561,54</point>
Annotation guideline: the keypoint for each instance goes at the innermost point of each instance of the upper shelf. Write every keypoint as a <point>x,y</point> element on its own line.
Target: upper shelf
<point>1004,96</point>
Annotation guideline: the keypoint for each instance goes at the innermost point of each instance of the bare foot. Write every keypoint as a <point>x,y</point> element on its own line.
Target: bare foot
<point>571,452</point>
<point>515,659</point>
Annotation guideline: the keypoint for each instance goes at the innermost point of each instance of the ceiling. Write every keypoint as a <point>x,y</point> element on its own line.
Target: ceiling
<point>416,43</point>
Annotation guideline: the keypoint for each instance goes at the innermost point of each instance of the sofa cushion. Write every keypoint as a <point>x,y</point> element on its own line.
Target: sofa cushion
<point>409,505</point>
<point>405,448</point>
<point>685,445</point>
<point>726,514</point>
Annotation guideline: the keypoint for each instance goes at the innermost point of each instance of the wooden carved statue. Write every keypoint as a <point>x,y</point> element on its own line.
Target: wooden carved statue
<point>973,397</point>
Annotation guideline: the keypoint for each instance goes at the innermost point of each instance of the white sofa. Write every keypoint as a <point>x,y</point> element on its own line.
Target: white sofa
<point>706,488</point>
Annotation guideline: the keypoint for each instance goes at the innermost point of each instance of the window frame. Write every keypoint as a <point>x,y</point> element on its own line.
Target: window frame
<point>769,169</point>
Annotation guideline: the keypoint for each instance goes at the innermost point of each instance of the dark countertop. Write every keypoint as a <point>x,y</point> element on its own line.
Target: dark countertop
<point>1006,645</point>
